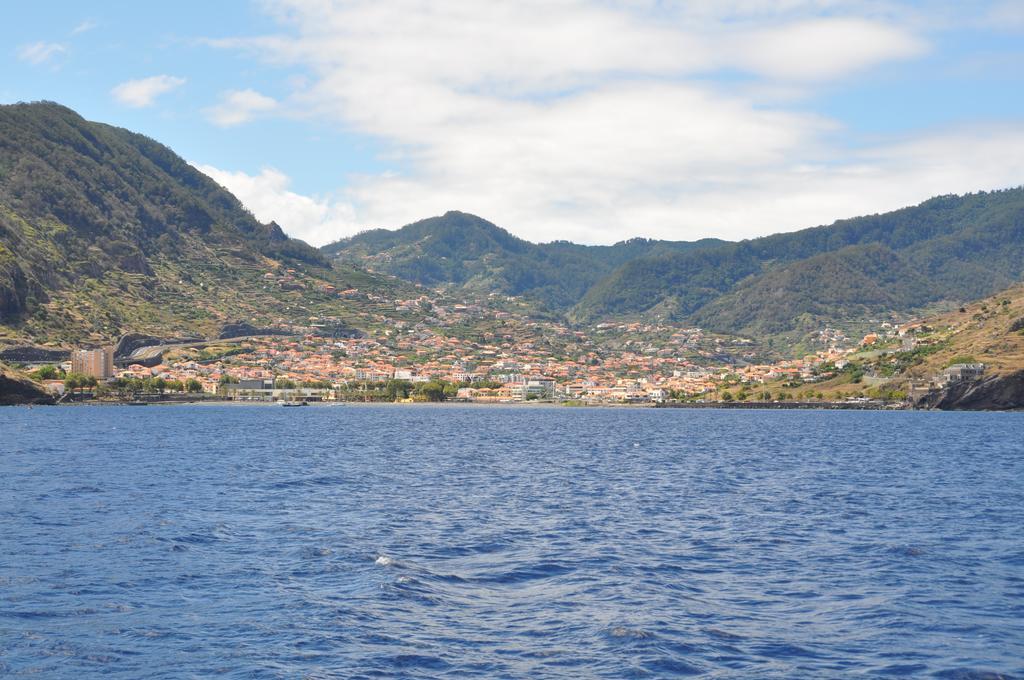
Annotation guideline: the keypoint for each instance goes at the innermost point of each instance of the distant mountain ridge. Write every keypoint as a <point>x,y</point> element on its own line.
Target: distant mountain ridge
<point>955,248</point>
<point>466,251</point>
<point>949,248</point>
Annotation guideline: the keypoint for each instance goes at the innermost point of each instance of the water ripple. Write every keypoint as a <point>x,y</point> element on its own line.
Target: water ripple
<point>378,542</point>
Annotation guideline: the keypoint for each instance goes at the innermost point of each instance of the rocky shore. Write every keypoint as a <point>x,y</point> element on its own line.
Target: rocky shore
<point>15,390</point>
<point>995,393</point>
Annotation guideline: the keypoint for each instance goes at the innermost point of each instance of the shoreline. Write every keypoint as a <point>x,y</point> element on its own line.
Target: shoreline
<point>832,406</point>
<point>741,406</point>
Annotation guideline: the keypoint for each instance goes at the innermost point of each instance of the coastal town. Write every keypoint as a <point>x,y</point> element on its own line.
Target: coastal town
<point>431,349</point>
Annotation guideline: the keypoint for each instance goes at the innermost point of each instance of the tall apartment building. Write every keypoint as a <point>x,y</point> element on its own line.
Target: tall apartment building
<point>98,363</point>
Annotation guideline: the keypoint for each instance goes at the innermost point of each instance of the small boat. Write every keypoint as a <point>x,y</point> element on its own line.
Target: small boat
<point>137,403</point>
<point>293,403</point>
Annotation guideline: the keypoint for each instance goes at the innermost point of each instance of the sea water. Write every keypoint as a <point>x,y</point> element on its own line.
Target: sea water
<point>453,541</point>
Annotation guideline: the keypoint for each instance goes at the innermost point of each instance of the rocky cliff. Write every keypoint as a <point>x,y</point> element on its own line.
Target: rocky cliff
<point>15,389</point>
<point>997,393</point>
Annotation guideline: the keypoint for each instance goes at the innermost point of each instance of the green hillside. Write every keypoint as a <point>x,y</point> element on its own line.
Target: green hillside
<point>104,231</point>
<point>947,248</point>
<point>851,283</point>
<point>465,251</point>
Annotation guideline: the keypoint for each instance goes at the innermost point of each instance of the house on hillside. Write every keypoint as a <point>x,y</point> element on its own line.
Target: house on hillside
<point>961,372</point>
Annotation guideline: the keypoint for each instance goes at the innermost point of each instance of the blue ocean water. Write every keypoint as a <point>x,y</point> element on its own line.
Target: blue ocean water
<point>451,542</point>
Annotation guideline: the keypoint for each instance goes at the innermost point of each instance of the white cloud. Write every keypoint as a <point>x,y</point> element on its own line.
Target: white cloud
<point>767,200</point>
<point>600,121</point>
<point>823,49</point>
<point>239,106</point>
<point>144,91</point>
<point>40,52</point>
<point>84,27</point>
<point>267,195</point>
<point>1006,15</point>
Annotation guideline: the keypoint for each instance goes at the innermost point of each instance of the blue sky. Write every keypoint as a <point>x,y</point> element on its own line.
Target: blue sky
<point>592,121</point>
<point>122,41</point>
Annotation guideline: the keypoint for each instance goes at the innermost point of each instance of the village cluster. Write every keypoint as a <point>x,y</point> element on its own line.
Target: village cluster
<point>490,350</point>
<point>539,362</point>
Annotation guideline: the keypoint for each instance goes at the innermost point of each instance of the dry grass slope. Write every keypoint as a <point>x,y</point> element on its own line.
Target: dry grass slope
<point>990,331</point>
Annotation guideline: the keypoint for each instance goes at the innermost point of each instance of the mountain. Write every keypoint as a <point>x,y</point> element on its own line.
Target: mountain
<point>947,249</point>
<point>849,283</point>
<point>103,230</point>
<point>951,248</point>
<point>464,251</point>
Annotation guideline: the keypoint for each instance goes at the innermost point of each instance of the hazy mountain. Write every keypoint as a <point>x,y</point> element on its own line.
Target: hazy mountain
<point>104,230</point>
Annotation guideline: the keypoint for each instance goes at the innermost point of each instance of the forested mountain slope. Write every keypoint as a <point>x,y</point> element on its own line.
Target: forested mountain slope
<point>465,251</point>
<point>948,248</point>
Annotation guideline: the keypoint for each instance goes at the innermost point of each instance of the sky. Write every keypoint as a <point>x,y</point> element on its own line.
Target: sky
<point>590,121</point>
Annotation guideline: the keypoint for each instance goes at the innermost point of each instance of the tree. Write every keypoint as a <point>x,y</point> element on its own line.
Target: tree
<point>284,384</point>
<point>129,385</point>
<point>316,384</point>
<point>433,390</point>
<point>193,385</point>
<point>727,396</point>
<point>488,384</point>
<point>77,381</point>
<point>47,373</point>
<point>398,389</point>
<point>175,386</point>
